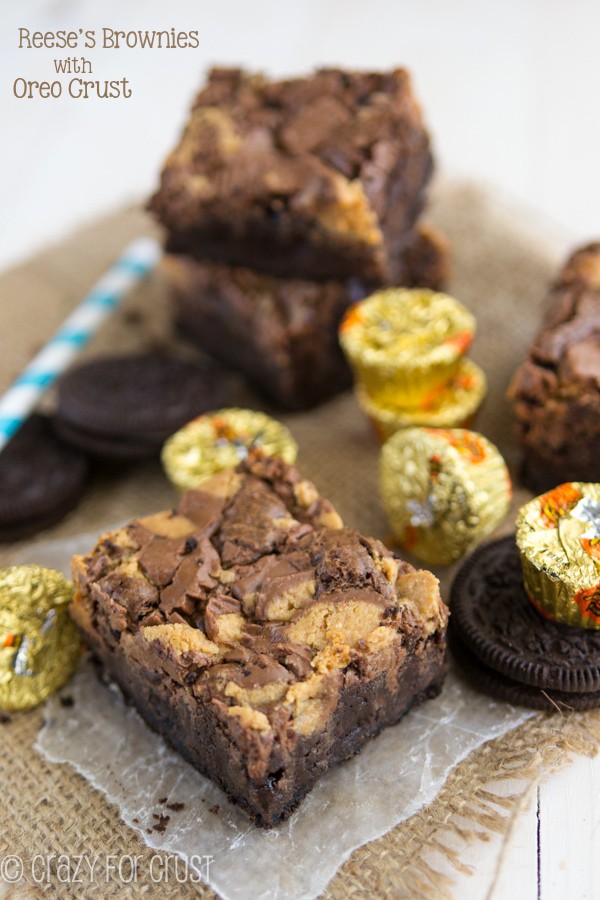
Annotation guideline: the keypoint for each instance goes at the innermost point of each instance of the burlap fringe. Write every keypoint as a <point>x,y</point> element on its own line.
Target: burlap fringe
<point>482,796</point>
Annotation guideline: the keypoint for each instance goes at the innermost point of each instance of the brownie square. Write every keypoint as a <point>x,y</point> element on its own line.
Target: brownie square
<point>282,333</point>
<point>263,639</point>
<point>317,177</point>
<point>556,390</point>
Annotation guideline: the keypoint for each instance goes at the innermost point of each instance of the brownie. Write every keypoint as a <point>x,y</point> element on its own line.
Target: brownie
<point>263,639</point>
<point>424,260</point>
<point>282,333</point>
<point>556,391</point>
<point>317,177</point>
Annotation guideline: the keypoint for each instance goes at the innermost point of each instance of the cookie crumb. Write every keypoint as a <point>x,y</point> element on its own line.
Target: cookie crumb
<point>67,701</point>
<point>176,807</point>
<point>161,824</point>
<point>214,809</point>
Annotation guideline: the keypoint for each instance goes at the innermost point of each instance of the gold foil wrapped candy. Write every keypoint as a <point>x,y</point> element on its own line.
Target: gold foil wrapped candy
<point>39,644</point>
<point>443,490</point>
<point>403,343</point>
<point>450,406</point>
<point>558,535</point>
<point>219,440</point>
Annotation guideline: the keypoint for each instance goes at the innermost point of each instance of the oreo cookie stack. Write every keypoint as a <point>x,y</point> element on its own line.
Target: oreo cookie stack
<point>284,202</point>
<point>508,648</point>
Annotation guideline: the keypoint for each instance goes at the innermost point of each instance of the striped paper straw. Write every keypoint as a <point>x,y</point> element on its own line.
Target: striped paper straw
<point>137,261</point>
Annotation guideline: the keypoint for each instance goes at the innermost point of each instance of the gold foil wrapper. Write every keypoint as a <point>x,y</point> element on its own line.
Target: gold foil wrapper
<point>443,491</point>
<point>403,343</point>
<point>451,406</point>
<point>40,646</point>
<point>220,440</point>
<point>558,535</point>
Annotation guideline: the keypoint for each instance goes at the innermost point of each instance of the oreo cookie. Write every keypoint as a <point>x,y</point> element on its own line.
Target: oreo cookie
<point>515,692</point>
<point>507,647</point>
<point>125,407</point>
<point>41,479</point>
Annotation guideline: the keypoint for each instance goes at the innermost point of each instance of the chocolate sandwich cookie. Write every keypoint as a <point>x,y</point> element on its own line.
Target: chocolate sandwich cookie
<point>124,407</point>
<point>513,651</point>
<point>503,688</point>
<point>41,479</point>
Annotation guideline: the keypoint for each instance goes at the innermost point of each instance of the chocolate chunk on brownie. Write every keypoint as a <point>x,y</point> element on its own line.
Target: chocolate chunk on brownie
<point>556,391</point>
<point>317,177</point>
<point>282,333</point>
<point>263,639</point>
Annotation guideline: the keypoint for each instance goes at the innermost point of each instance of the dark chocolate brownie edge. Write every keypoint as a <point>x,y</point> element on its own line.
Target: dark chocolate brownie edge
<point>163,706</point>
<point>293,368</point>
<point>263,250</point>
<point>264,640</point>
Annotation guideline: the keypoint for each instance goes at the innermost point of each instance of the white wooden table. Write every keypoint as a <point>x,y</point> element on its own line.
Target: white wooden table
<point>511,94</point>
<point>550,851</point>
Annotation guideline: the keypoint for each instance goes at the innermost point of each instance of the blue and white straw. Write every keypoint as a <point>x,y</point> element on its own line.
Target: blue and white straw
<point>137,261</point>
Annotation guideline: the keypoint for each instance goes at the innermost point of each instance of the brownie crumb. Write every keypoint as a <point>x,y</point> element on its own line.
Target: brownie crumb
<point>67,701</point>
<point>176,807</point>
<point>4,719</point>
<point>214,809</point>
<point>161,824</point>
<point>162,800</point>
<point>136,821</point>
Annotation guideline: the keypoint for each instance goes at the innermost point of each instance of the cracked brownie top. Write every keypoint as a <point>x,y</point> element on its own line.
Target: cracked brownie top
<point>342,155</point>
<point>251,595</point>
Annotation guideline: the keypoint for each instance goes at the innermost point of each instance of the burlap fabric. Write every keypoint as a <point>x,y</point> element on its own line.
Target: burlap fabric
<point>502,265</point>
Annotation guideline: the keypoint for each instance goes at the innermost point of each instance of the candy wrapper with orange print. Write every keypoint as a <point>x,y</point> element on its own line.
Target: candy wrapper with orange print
<point>558,535</point>
<point>403,344</point>
<point>450,406</point>
<point>220,440</point>
<point>443,491</point>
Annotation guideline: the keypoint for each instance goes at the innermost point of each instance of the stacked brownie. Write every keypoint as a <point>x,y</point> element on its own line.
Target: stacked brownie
<point>284,202</point>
